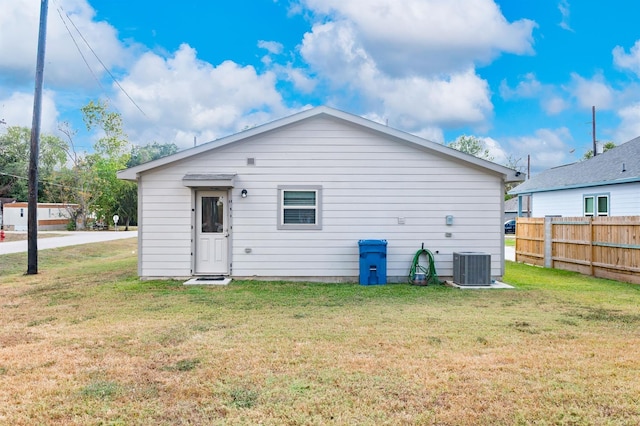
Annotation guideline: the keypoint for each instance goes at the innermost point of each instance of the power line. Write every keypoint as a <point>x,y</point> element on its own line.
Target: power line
<point>79,50</point>
<point>60,11</point>
<point>48,182</point>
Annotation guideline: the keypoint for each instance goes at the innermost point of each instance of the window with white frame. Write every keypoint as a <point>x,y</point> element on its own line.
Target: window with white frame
<point>299,207</point>
<point>596,205</point>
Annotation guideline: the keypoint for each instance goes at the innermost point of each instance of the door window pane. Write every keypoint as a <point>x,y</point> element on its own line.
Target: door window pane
<point>212,215</point>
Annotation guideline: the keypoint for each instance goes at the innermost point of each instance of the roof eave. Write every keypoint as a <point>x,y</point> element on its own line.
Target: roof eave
<point>515,190</point>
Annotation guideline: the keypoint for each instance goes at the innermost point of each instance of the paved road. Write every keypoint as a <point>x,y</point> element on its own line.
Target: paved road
<point>69,239</point>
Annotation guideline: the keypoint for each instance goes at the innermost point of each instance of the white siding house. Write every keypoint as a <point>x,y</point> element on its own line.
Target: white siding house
<point>605,185</point>
<point>51,216</point>
<point>292,198</point>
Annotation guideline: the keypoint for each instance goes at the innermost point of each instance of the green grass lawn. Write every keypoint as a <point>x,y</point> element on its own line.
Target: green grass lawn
<point>86,342</point>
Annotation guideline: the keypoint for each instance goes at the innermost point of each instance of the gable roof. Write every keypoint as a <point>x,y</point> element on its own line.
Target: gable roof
<point>617,165</point>
<point>324,111</point>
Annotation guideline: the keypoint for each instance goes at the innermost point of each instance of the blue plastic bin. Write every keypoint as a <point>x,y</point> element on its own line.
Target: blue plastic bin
<point>373,262</point>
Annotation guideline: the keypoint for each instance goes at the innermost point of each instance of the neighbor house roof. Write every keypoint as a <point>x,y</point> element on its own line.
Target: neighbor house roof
<point>617,165</point>
<point>511,205</point>
<point>323,111</point>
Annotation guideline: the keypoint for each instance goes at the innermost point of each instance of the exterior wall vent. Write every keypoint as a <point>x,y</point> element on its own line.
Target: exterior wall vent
<point>471,268</point>
<point>251,161</point>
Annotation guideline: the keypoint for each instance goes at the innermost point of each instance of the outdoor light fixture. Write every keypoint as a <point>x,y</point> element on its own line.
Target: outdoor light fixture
<point>244,193</point>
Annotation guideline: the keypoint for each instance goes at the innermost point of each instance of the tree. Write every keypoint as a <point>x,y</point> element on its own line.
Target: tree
<point>111,153</point>
<point>14,163</point>
<point>127,196</point>
<point>91,182</point>
<point>605,147</point>
<point>514,164</point>
<point>74,184</point>
<point>472,145</point>
<point>150,152</point>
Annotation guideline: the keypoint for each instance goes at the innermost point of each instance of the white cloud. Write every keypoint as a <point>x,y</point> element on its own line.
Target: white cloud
<point>630,125</point>
<point>430,133</point>
<point>546,147</point>
<point>187,97</point>
<point>272,47</point>
<point>413,103</point>
<point>333,52</point>
<point>300,79</point>
<point>529,87</point>
<point>429,36</point>
<point>17,110</point>
<point>594,92</point>
<point>495,150</point>
<point>554,105</point>
<point>565,11</point>
<point>64,66</point>
<point>462,98</point>
<point>629,61</point>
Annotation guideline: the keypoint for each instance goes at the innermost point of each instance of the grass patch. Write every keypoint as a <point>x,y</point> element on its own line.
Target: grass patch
<point>101,390</point>
<point>183,365</point>
<point>243,397</point>
<point>86,342</point>
<point>34,323</point>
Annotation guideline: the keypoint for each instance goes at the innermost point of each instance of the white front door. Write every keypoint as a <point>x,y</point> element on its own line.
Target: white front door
<point>211,233</point>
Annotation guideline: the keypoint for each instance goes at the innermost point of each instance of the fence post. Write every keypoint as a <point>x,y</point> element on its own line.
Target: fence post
<point>591,239</point>
<point>548,243</point>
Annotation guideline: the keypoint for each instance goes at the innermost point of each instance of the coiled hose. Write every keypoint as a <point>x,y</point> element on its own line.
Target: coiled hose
<point>417,270</point>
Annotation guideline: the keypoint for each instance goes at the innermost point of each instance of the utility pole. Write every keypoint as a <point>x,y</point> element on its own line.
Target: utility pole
<point>32,219</point>
<point>593,131</point>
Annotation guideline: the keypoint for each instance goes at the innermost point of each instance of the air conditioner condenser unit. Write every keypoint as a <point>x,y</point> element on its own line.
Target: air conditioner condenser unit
<point>472,268</point>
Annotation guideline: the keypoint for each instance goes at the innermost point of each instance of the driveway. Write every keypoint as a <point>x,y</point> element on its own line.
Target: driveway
<point>69,239</point>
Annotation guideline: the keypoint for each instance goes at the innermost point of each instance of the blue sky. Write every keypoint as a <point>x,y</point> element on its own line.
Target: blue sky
<point>521,75</point>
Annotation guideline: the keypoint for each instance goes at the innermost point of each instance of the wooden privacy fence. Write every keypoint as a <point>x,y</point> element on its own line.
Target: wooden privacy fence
<point>605,247</point>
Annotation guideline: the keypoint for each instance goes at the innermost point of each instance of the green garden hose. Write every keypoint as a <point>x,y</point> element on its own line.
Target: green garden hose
<point>417,270</point>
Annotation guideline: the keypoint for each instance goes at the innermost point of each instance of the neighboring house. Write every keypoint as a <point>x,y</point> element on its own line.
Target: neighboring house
<point>605,185</point>
<point>4,201</point>
<point>291,199</point>
<point>511,207</point>
<point>51,216</point>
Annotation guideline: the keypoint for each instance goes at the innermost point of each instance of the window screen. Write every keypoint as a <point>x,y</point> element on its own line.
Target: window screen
<point>588,206</point>
<point>299,207</point>
<point>603,205</point>
<point>596,205</point>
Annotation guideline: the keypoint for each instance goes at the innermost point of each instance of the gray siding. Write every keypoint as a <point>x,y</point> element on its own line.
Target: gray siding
<point>369,183</point>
